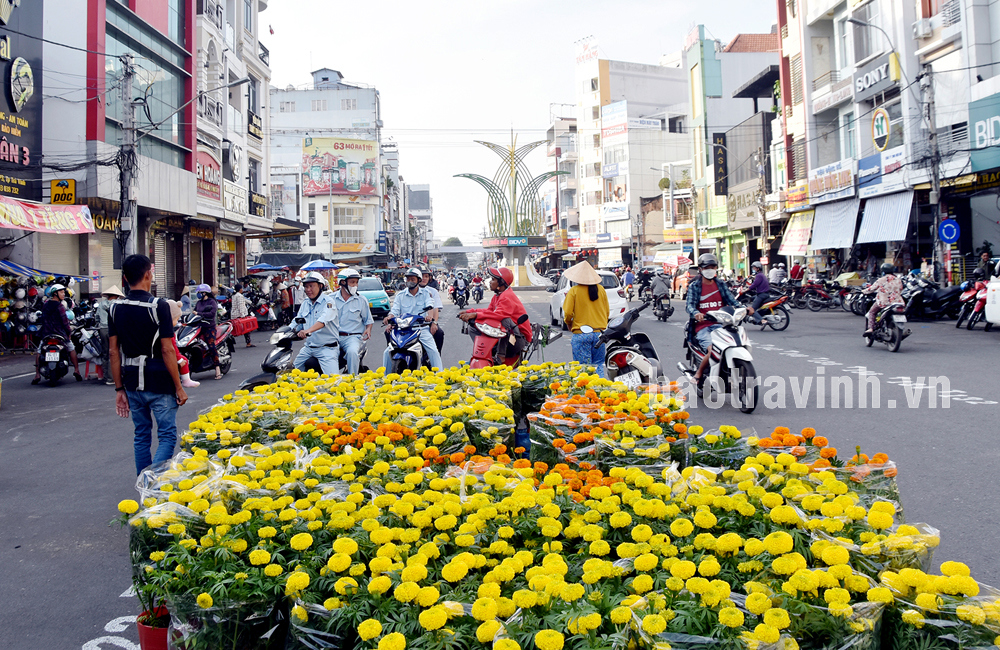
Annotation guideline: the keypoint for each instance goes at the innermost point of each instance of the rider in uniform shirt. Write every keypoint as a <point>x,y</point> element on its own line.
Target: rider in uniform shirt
<point>436,329</point>
<point>414,299</point>
<point>321,327</point>
<point>355,318</point>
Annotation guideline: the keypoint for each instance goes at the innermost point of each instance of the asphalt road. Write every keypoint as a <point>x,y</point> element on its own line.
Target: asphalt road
<point>67,459</point>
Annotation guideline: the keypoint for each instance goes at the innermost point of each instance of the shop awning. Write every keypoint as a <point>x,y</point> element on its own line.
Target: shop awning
<point>13,268</point>
<point>294,260</point>
<point>41,217</point>
<point>887,218</point>
<point>834,224</point>
<point>796,238</point>
<point>282,228</point>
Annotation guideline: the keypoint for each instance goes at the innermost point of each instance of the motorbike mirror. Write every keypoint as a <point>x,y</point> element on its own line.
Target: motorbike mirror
<point>551,288</point>
<point>428,308</point>
<point>586,329</point>
<point>523,319</point>
<point>300,321</point>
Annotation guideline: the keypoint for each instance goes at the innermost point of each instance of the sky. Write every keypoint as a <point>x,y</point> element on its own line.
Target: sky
<point>449,73</point>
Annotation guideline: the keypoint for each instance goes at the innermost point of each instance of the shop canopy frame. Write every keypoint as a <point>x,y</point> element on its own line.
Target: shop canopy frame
<point>887,218</point>
<point>834,225</point>
<point>13,268</point>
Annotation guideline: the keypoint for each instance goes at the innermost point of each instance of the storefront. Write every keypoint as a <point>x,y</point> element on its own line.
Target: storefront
<point>832,194</point>
<point>104,251</point>
<point>165,248</point>
<point>201,252</point>
<point>229,246</point>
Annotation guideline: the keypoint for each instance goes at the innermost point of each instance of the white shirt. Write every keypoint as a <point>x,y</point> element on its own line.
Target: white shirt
<point>436,295</point>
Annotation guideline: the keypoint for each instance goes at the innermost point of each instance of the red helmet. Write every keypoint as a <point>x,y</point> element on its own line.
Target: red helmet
<point>503,274</point>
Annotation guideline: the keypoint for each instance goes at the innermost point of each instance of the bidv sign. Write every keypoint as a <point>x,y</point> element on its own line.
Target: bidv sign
<point>984,136</point>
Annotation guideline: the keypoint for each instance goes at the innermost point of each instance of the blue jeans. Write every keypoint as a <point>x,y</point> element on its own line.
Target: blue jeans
<point>585,352</point>
<point>704,336</point>
<point>351,345</point>
<point>145,406</point>
<point>329,358</point>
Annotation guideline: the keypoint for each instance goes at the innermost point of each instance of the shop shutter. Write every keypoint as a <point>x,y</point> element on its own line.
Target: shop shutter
<point>160,264</point>
<point>195,260</point>
<point>110,276</point>
<point>170,264</point>
<point>59,253</point>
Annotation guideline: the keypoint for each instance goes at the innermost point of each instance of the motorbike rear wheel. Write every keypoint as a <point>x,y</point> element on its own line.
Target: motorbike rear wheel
<point>799,301</point>
<point>895,338</point>
<point>784,318</point>
<point>747,388</point>
<point>870,339</point>
<point>973,319</point>
<point>961,315</point>
<point>815,302</point>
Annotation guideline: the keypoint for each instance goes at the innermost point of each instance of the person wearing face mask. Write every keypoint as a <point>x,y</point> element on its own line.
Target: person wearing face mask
<point>415,299</point>
<point>706,294</point>
<point>355,318</point>
<point>425,282</point>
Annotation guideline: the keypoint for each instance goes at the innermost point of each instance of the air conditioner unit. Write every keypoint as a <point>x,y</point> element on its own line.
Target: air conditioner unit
<point>922,28</point>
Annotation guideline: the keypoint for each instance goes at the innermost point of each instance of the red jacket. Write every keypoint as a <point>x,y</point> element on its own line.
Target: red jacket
<point>506,305</point>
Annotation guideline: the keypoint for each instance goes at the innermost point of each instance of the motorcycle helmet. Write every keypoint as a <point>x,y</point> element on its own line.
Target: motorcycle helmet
<point>979,275</point>
<point>314,276</point>
<point>20,304</point>
<point>33,316</point>
<point>707,259</point>
<point>20,293</point>
<point>70,315</point>
<point>757,266</point>
<point>503,274</point>
<point>347,274</point>
<point>888,268</point>
<point>34,328</point>
<point>32,292</point>
<point>415,272</point>
<point>21,316</point>
<point>51,291</point>
<point>4,315</point>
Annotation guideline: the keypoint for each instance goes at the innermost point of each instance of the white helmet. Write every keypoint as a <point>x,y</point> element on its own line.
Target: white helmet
<point>314,276</point>
<point>347,274</point>
<point>415,272</point>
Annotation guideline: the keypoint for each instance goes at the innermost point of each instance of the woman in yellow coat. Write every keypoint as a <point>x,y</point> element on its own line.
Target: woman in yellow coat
<point>586,312</point>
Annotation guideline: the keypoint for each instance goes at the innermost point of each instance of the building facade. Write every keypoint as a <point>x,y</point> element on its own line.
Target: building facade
<point>560,195</point>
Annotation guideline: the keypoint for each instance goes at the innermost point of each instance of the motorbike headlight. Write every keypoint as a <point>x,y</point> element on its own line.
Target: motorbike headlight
<point>276,337</point>
<point>404,322</point>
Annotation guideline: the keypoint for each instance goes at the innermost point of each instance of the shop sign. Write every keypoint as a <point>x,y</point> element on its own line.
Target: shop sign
<point>741,206</point>
<point>21,108</point>
<point>984,136</point>
<point>614,123</point>
<point>235,202</point>
<point>62,220</point>
<point>609,240</point>
<point>796,239</point>
<point>721,156</point>
<point>383,241</point>
<point>832,182</point>
<point>880,128</point>
<point>839,94</point>
<point>208,173</point>
<point>797,197</point>
<point>494,242</point>
<point>227,245</point>
<point>873,79</point>
<point>168,223</point>
<point>203,233</point>
<point>881,173</point>
<point>258,205</point>
<point>255,125</point>
<point>105,222</point>
<point>62,191</point>
<point>561,241</point>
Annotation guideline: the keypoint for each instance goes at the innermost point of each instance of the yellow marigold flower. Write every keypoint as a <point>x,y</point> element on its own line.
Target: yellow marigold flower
<point>266,532</point>
<point>731,617</point>
<point>128,507</point>
<point>766,634</point>
<point>971,613</point>
<point>777,617</point>
<point>259,557</point>
<point>433,618</point>
<point>394,641</point>
<point>646,562</point>
<point>681,527</point>
<point>705,519</point>
<point>509,644</point>
<point>204,600</point>
<point>345,545</point>
<point>758,603</point>
<point>621,615</point>
<point>572,592</point>
<point>709,566</point>
<point>369,629</point>
<point>880,595</point>
<point>683,569</point>
<point>487,631</point>
<point>778,543</point>
<point>379,585</point>
<point>642,583</point>
<point>300,613</point>
<point>296,582</point>
<point>954,569</point>
<point>176,529</point>
<point>928,602</point>
<point>653,623</point>
<point>406,591</point>
<point>343,586</point>
<point>484,609</point>
<point>913,617</point>
<point>301,542</point>
<point>156,556</point>
<point>273,570</point>
<point>836,554</point>
<point>427,596</point>
<point>549,640</point>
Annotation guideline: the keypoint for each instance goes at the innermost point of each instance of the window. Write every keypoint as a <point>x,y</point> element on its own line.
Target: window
<point>615,154</point>
<point>326,233</point>
<point>312,237</point>
<point>595,84</point>
<point>348,104</point>
<point>791,7</point>
<point>286,107</point>
<point>597,140</point>
<point>349,216</point>
<point>175,13</point>
<point>896,131</point>
<point>843,52</point>
<point>326,208</point>
<point>319,105</point>
<point>865,35</point>
<point>849,128</point>
<point>253,90</point>
<point>248,15</point>
<point>312,215</point>
<point>795,66</point>
<point>370,284</point>
<point>929,8</point>
<point>253,172</point>
<point>348,236</point>
<point>799,171</point>
<point>595,112</point>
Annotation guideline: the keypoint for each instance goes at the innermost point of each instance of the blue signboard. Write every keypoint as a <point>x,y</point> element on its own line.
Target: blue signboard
<point>948,231</point>
<point>383,241</point>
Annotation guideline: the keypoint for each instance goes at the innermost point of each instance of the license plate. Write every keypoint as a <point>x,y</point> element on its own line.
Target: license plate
<point>899,319</point>
<point>630,379</point>
<point>51,356</point>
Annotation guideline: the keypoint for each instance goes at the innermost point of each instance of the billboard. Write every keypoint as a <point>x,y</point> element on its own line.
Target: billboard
<point>984,133</point>
<point>614,123</point>
<point>586,50</point>
<point>339,166</point>
<point>882,173</point>
<point>832,182</point>
<point>21,115</point>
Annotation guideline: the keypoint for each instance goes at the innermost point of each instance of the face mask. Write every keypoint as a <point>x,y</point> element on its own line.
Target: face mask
<point>352,290</point>
<point>709,274</point>
<point>410,284</point>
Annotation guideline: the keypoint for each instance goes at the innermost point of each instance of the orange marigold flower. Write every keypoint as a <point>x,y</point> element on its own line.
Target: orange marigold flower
<point>789,440</point>
<point>765,443</point>
<point>430,453</point>
<point>541,468</point>
<point>828,452</point>
<point>577,484</point>
<point>457,458</point>
<point>469,449</point>
<point>521,462</point>
<point>797,451</point>
<point>820,441</point>
<point>822,463</point>
<point>890,471</point>
<point>880,458</point>
<point>292,435</point>
<point>558,443</point>
<point>808,433</point>
<point>680,428</point>
<point>570,448</point>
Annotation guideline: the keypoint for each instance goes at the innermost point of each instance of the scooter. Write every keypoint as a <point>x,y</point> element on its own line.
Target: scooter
<point>55,361</point>
<point>195,349</point>
<point>477,292</point>
<point>461,297</point>
<point>86,340</point>
<point>968,299</point>
<point>405,349</point>
<point>889,327</point>
<point>486,351</point>
<point>629,292</point>
<point>662,308</point>
<point>774,314</point>
<point>630,358</point>
<point>731,364</point>
<point>280,358</point>
<point>979,311</point>
<point>927,300</point>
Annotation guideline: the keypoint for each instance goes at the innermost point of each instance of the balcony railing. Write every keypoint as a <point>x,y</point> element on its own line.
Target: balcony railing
<point>210,109</point>
<point>784,31</point>
<point>230,37</point>
<point>213,11</point>
<point>951,13</point>
<point>264,54</point>
<point>828,79</point>
<point>234,119</point>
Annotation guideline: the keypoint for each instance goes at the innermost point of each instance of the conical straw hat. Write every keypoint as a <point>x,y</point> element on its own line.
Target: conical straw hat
<point>582,273</point>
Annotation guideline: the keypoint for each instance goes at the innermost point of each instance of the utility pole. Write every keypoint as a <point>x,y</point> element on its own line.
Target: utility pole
<point>127,163</point>
<point>927,85</point>
<point>762,207</point>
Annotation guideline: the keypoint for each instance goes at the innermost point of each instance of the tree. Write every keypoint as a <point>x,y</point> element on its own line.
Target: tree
<point>453,260</point>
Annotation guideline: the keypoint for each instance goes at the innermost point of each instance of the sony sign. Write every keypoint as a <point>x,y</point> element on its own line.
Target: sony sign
<point>873,79</point>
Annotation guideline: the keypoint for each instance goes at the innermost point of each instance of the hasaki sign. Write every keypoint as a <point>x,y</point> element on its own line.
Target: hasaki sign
<point>208,172</point>
<point>58,219</point>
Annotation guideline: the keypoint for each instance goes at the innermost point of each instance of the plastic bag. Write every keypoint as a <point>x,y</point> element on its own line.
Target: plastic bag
<point>322,629</point>
<point>259,625</point>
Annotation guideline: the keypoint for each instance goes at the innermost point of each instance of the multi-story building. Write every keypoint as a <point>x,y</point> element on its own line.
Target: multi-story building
<point>886,108</point>
<point>232,169</point>
<point>420,221</point>
<point>626,130</point>
<point>390,240</point>
<point>562,208</point>
<point>727,172</point>
<point>325,142</point>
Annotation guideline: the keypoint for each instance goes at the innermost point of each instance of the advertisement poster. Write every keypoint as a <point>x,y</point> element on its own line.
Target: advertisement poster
<point>339,166</point>
<point>21,112</point>
<point>59,219</point>
<point>614,123</point>
<point>796,239</point>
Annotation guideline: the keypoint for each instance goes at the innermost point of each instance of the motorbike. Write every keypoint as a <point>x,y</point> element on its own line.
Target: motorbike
<point>926,299</point>
<point>55,360</point>
<point>630,358</point>
<point>486,351</point>
<point>825,296</point>
<point>731,363</point>
<point>86,339</point>
<point>629,292</point>
<point>968,299</point>
<point>773,314</point>
<point>662,308</point>
<point>979,311</point>
<point>460,297</point>
<point>280,358</point>
<point>405,349</point>
<point>477,292</point>
<point>195,349</point>
<point>889,324</point>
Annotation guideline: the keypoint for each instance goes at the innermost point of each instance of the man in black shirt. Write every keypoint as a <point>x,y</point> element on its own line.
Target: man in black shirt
<point>144,363</point>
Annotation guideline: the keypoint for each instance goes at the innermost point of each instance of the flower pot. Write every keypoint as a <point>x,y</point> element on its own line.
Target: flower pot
<point>152,638</point>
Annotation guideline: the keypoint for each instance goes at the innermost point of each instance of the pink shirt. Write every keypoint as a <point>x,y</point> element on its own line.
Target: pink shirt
<point>888,290</point>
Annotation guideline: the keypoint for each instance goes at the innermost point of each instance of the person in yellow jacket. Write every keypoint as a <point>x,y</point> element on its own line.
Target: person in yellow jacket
<point>586,312</point>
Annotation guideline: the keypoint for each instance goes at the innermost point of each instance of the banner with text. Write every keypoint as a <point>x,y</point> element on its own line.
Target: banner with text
<point>58,219</point>
<point>339,166</point>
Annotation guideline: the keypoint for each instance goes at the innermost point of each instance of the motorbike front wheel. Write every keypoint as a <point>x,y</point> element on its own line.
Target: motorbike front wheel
<point>747,387</point>
<point>962,313</point>
<point>975,318</point>
<point>784,318</point>
<point>815,303</point>
<point>799,301</point>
